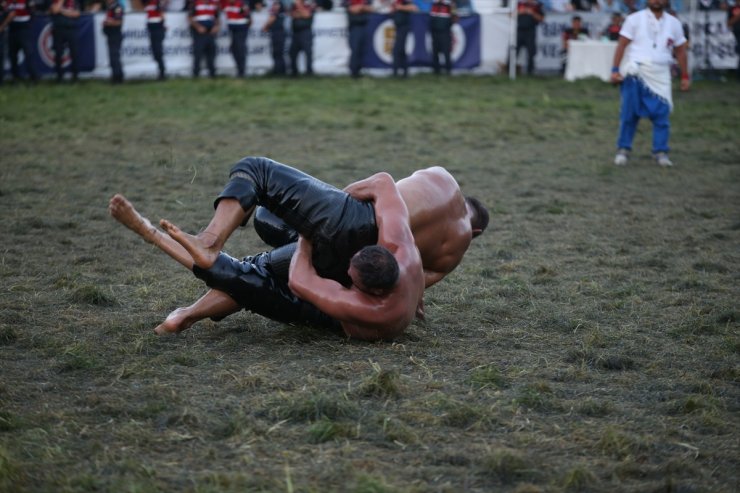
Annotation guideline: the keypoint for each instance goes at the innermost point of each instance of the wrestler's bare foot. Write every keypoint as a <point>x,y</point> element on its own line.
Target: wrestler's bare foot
<point>204,247</point>
<point>176,322</point>
<point>123,211</point>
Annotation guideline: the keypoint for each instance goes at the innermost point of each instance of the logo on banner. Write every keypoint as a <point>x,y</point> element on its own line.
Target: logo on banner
<point>383,39</point>
<point>46,48</point>
<point>459,42</point>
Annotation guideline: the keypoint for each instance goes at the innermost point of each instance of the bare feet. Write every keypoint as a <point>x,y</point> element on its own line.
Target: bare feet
<point>123,211</point>
<point>204,247</point>
<point>176,322</point>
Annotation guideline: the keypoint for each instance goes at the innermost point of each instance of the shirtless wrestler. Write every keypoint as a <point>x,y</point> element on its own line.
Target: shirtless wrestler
<point>386,279</point>
<point>442,221</point>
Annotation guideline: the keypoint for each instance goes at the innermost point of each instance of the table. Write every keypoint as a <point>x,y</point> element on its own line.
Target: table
<point>590,58</point>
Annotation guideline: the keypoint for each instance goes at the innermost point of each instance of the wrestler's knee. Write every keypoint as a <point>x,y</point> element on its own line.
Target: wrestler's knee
<point>273,230</point>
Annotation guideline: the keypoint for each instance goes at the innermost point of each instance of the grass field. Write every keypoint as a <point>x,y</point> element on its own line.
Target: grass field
<point>588,342</point>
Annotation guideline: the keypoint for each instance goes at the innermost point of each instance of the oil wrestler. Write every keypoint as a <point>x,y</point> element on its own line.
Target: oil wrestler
<point>442,221</point>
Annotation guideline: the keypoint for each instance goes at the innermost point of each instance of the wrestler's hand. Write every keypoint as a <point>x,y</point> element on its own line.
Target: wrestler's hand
<point>685,84</point>
<point>361,190</point>
<point>616,78</point>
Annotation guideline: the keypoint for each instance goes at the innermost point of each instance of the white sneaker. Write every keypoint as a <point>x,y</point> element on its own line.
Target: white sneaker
<point>662,159</point>
<point>621,158</point>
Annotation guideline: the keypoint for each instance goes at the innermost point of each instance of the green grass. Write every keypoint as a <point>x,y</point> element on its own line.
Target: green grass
<point>588,341</point>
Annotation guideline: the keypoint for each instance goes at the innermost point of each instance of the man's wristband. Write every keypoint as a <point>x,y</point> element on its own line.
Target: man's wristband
<point>685,77</point>
<point>615,70</point>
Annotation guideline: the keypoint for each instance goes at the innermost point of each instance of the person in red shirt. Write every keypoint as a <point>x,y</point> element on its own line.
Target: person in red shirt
<point>238,20</point>
<point>204,26</point>
<point>112,30</point>
<point>733,22</point>
<point>156,29</point>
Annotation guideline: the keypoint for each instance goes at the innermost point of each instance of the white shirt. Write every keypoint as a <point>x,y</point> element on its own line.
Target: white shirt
<point>652,40</point>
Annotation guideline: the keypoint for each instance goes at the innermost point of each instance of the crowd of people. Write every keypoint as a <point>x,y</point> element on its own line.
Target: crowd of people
<point>205,19</point>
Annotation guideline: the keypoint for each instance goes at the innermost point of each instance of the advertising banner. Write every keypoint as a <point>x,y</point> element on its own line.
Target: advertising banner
<point>466,42</point>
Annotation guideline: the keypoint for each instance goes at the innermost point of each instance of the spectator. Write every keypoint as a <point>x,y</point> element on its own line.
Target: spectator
<point>64,17</point>
<point>6,16</point>
<point>585,5</point>
<point>357,16</point>
<point>615,25</point>
<point>575,31</point>
<point>529,14</point>
<point>402,10</point>
<point>204,26</point>
<point>275,25</point>
<point>733,23</point>
<point>20,37</point>
<point>238,19</point>
<point>611,6</point>
<point>112,30</point>
<point>156,29</point>
<point>441,18</point>
<point>301,12</point>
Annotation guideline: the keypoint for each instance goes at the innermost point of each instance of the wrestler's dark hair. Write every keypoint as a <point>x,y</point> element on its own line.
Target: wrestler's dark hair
<point>377,267</point>
<point>480,216</point>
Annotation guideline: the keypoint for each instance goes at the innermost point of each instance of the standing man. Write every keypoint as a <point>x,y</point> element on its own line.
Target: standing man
<point>238,19</point>
<point>275,25</point>
<point>64,16</point>
<point>20,38</point>
<point>358,12</point>
<point>441,18</point>
<point>112,30</point>
<point>529,14</point>
<point>5,18</point>
<point>650,38</point>
<point>733,22</point>
<point>301,12</point>
<point>402,10</point>
<point>204,26</point>
<point>156,28</point>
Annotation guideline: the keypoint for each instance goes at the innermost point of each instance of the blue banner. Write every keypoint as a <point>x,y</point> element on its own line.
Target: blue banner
<point>43,58</point>
<point>466,40</point>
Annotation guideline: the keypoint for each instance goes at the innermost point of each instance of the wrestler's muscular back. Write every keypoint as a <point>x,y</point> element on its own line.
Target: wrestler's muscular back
<point>439,218</point>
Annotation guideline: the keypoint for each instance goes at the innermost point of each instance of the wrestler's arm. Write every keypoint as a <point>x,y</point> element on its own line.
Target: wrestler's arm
<point>349,306</point>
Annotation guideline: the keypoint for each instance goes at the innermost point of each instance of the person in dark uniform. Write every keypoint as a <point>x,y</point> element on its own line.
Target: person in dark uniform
<point>357,16</point>
<point>156,28</point>
<point>5,18</point>
<point>238,19</point>
<point>301,13</point>
<point>204,26</point>
<point>275,25</point>
<point>64,16</point>
<point>112,30</point>
<point>529,14</point>
<point>20,38</point>
<point>402,10</point>
<point>733,23</point>
<point>441,18</point>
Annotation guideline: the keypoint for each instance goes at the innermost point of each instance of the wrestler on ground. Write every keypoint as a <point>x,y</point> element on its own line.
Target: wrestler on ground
<point>442,220</point>
<point>386,282</point>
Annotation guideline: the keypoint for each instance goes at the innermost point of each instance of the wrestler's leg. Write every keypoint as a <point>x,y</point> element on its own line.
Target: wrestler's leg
<point>124,212</point>
<point>213,304</point>
<point>206,245</point>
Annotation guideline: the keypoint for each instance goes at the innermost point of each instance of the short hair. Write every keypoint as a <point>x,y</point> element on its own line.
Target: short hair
<point>377,267</point>
<point>577,18</point>
<point>480,217</point>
